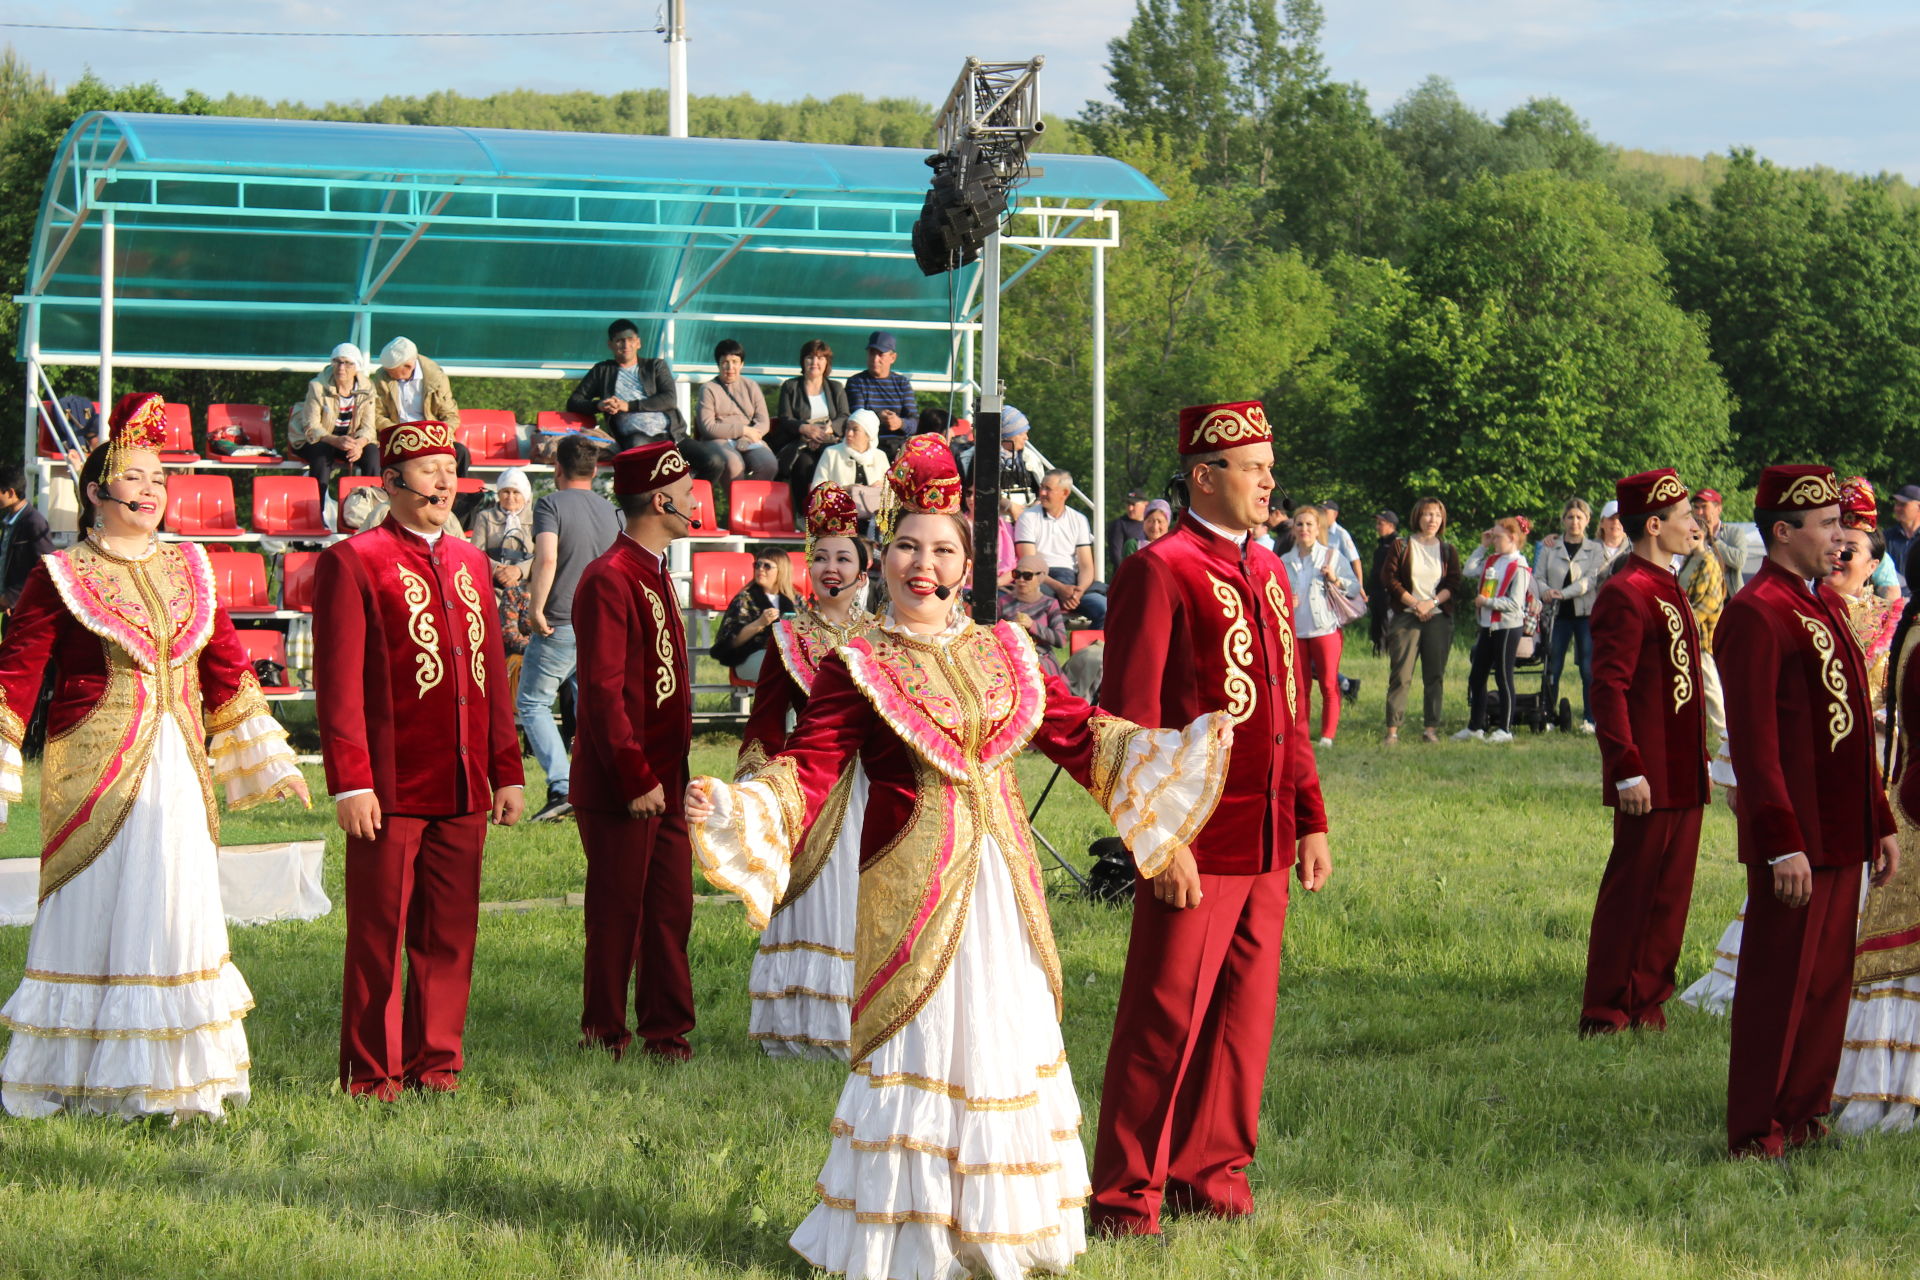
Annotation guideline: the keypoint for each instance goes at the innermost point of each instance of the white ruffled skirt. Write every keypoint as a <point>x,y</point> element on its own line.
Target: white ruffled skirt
<point>131,1004</point>
<point>956,1146</point>
<point>1713,993</point>
<point>802,976</point>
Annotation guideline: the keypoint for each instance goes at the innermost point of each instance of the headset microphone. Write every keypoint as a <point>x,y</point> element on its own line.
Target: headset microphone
<point>433,499</point>
<point>835,590</point>
<point>693,522</point>
<point>944,592</point>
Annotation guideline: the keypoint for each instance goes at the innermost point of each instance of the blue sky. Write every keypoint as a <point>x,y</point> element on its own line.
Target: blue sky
<point>1803,83</point>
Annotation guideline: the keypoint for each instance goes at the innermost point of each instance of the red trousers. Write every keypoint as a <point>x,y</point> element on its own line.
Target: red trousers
<point>1180,1106</point>
<point>1790,1010</point>
<point>413,890</point>
<point>1640,919</point>
<point>1323,659</point>
<point>639,911</point>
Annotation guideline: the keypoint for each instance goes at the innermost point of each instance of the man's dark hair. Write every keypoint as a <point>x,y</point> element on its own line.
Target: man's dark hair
<point>577,456</point>
<point>1767,519</point>
<point>934,420</point>
<point>13,477</point>
<point>619,327</point>
<point>1635,527</point>
<point>727,347</point>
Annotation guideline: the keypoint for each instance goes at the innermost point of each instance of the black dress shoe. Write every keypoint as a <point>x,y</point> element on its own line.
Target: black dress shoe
<point>556,807</point>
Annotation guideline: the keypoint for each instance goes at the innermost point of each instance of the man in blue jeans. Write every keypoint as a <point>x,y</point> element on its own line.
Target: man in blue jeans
<point>572,526</point>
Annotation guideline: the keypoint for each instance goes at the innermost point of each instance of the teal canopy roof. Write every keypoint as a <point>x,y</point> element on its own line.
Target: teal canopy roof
<point>268,241</point>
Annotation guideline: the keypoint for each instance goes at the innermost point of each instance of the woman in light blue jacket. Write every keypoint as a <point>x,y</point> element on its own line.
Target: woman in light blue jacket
<point>1316,574</point>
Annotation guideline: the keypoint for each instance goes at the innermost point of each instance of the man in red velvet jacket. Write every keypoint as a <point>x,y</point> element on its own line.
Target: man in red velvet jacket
<point>1201,621</point>
<point>416,726</point>
<point>630,766</point>
<point>1649,710</point>
<point>1810,809</point>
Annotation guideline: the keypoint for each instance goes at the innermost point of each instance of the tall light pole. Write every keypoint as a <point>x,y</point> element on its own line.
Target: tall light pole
<point>676,33</point>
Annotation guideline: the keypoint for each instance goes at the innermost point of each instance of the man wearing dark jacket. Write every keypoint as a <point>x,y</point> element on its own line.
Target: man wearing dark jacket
<point>24,535</point>
<point>635,398</point>
<point>1387,525</point>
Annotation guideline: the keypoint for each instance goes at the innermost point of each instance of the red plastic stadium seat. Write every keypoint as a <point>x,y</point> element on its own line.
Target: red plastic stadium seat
<point>802,584</point>
<point>219,548</point>
<point>963,428</point>
<point>761,509</point>
<point>296,580</point>
<point>561,423</point>
<point>288,507</point>
<point>718,577</point>
<point>201,507</point>
<point>469,484</point>
<point>253,419</point>
<point>178,445</point>
<point>703,512</point>
<point>492,437</point>
<point>1078,640</point>
<point>739,681</point>
<point>268,643</point>
<point>349,483</point>
<point>240,582</point>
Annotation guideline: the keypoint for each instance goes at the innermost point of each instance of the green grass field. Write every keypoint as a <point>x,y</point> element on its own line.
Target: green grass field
<point>1429,1110</point>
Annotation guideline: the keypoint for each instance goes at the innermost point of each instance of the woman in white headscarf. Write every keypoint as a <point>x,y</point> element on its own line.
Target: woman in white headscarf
<point>334,428</point>
<point>505,532</point>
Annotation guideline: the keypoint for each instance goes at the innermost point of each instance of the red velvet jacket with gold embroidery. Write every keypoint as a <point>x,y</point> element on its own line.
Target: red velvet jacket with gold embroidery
<point>1196,624</point>
<point>635,710</point>
<point>1649,700</point>
<point>135,642</point>
<point>795,649</point>
<point>1799,724</point>
<point>409,674</point>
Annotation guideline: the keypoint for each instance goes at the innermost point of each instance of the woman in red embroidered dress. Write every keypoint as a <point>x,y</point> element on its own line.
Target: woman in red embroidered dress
<point>956,1141</point>
<point>801,982</point>
<point>130,1003</point>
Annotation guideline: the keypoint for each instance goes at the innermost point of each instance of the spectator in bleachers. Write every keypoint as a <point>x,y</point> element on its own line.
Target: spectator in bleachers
<point>634,397</point>
<point>412,388</point>
<point>1034,611</point>
<point>732,417</point>
<point>887,394</point>
<point>1127,532</point>
<point>572,526</point>
<point>1020,465</point>
<point>24,534</point>
<point>334,431</point>
<point>856,464</point>
<point>505,532</point>
<point>741,641</point>
<point>1061,535</point>
<point>1158,520</point>
<point>811,415</point>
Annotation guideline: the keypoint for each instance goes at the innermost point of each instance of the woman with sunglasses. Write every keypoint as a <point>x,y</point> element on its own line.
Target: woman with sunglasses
<point>801,982</point>
<point>1035,611</point>
<point>956,1142</point>
<point>741,642</point>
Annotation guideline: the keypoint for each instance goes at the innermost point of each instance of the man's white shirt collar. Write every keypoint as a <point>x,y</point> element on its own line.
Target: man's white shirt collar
<point>1237,539</point>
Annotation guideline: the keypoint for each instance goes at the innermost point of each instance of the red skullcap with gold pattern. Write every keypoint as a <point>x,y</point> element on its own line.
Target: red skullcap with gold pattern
<point>1859,505</point>
<point>405,441</point>
<point>139,421</point>
<point>1796,487</point>
<point>923,481</point>
<point>1649,492</point>
<point>649,467</point>
<point>831,513</point>
<point>1212,428</point>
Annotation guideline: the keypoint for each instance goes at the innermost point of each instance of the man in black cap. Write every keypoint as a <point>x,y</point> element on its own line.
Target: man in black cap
<point>1128,533</point>
<point>888,394</point>
<point>1387,525</point>
<point>1901,533</point>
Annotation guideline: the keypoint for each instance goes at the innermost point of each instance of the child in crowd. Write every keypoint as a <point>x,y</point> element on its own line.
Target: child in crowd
<point>1506,589</point>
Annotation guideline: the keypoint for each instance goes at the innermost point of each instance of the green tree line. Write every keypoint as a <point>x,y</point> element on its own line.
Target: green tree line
<point>1501,311</point>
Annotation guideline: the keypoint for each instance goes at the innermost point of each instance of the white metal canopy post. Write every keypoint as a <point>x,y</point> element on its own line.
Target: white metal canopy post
<point>105,395</point>
<point>1099,425</point>
<point>676,68</point>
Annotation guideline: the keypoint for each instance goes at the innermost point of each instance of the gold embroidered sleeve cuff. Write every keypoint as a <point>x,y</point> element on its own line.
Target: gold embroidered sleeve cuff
<point>1164,785</point>
<point>253,762</point>
<point>746,847</point>
<point>246,703</point>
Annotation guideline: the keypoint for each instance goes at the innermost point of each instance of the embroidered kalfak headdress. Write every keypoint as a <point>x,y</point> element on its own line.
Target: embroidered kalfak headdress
<point>831,513</point>
<point>923,482</point>
<point>139,422</point>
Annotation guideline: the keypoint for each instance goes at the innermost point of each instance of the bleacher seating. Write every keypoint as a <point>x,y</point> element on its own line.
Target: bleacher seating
<point>1078,640</point>
<point>201,506</point>
<point>253,419</point>
<point>296,580</point>
<point>556,423</point>
<point>269,643</point>
<point>718,577</point>
<point>761,509</point>
<point>703,512</point>
<point>492,437</point>
<point>47,448</point>
<point>177,448</point>
<point>349,483</point>
<point>240,582</point>
<point>288,507</point>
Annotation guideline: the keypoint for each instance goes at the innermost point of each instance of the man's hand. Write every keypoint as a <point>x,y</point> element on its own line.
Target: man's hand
<point>1069,597</point>
<point>889,419</point>
<point>1636,801</point>
<point>359,816</point>
<point>652,804</point>
<point>613,404</point>
<point>1178,884</point>
<point>1313,863</point>
<point>508,804</point>
<point>1886,860</point>
<point>539,620</point>
<point>1793,881</point>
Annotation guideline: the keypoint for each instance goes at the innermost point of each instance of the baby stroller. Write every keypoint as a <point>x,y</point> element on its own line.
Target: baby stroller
<point>1545,706</point>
